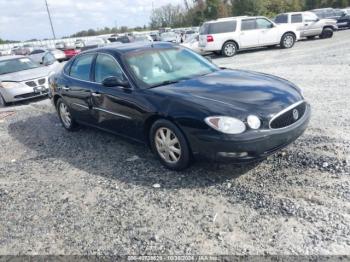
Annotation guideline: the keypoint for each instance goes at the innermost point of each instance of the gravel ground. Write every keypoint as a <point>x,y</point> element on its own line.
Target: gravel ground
<point>90,192</point>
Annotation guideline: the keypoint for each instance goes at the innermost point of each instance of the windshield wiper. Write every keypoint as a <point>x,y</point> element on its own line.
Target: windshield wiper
<point>169,82</point>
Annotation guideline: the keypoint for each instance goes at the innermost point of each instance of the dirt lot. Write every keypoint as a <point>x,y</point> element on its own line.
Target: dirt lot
<point>89,192</point>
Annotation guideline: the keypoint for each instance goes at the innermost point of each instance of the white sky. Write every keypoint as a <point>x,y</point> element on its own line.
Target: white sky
<point>27,19</point>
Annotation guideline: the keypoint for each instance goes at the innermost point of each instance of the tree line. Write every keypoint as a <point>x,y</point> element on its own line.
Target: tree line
<point>195,12</point>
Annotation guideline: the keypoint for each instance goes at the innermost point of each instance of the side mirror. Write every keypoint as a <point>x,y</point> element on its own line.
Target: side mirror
<point>113,81</point>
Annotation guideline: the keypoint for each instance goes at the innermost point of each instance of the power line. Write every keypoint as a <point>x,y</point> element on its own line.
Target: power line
<point>48,12</point>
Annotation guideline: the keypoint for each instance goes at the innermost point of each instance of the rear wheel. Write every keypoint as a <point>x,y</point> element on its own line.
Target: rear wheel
<point>2,101</point>
<point>229,49</point>
<point>287,40</point>
<point>170,145</point>
<point>326,33</point>
<point>65,115</point>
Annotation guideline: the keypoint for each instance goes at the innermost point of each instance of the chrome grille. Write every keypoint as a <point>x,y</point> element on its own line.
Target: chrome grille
<point>288,116</point>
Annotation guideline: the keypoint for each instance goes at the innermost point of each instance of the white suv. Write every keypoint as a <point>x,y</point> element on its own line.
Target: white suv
<point>228,35</point>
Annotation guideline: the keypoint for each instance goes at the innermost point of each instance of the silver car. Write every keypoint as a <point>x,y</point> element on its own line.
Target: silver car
<point>21,78</point>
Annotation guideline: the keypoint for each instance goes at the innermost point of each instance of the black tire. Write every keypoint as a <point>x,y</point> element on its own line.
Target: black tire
<point>287,40</point>
<point>71,125</point>
<point>184,158</point>
<point>2,101</point>
<point>326,33</point>
<point>229,49</point>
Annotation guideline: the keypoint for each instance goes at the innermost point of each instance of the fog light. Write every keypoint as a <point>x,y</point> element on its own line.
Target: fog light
<point>233,154</point>
<point>253,122</point>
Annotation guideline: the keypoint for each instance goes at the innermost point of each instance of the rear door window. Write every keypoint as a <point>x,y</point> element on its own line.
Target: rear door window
<point>248,24</point>
<point>218,28</point>
<point>281,19</point>
<point>297,18</point>
<point>81,67</point>
<point>262,23</point>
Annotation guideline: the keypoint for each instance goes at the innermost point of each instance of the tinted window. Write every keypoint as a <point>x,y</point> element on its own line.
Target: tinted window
<point>248,24</point>
<point>218,28</point>
<point>262,23</point>
<point>106,66</point>
<point>49,59</point>
<point>16,65</point>
<point>81,67</point>
<point>37,52</point>
<point>281,19</point>
<point>297,18</point>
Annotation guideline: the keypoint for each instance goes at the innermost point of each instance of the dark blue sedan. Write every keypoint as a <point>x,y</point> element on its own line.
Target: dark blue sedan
<point>179,103</point>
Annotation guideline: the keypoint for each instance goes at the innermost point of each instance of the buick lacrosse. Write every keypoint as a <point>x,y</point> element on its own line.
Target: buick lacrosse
<point>179,103</point>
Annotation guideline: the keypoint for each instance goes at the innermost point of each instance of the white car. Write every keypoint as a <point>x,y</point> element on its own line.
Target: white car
<point>192,43</point>
<point>169,37</point>
<point>228,35</point>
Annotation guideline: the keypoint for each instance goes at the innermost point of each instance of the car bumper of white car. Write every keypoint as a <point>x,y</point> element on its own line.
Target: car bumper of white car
<point>23,92</point>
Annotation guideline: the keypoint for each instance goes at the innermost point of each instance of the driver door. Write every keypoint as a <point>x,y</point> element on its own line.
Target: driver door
<point>114,108</point>
<point>268,33</point>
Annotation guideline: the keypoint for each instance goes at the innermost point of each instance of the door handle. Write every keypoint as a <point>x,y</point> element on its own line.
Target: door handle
<point>65,88</point>
<point>95,94</point>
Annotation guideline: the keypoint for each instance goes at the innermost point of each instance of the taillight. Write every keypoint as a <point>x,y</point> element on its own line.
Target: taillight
<point>210,38</point>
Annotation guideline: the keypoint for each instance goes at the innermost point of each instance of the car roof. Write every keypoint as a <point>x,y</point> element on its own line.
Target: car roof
<point>130,47</point>
<point>10,57</point>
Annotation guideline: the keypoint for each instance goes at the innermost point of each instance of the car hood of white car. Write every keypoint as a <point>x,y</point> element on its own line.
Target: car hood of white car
<point>42,71</point>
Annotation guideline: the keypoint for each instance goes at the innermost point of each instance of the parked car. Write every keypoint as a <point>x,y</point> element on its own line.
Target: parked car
<point>71,52</point>
<point>6,52</point>
<point>142,38</point>
<point>308,24</point>
<point>37,54</point>
<point>179,103</point>
<point>344,20</point>
<point>21,78</point>
<point>79,44</point>
<point>226,36</point>
<point>93,43</point>
<point>58,54</point>
<point>155,36</point>
<point>60,45</point>
<point>192,42</point>
<point>20,50</point>
<point>169,37</point>
<point>328,13</point>
<point>125,39</point>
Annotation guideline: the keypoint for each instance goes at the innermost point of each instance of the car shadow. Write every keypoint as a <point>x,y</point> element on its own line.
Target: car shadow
<point>110,156</point>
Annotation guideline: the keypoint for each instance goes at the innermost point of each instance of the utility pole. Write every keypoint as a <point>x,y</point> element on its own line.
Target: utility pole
<point>48,12</point>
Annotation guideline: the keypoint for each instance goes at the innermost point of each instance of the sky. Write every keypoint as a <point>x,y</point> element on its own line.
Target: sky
<point>28,19</point>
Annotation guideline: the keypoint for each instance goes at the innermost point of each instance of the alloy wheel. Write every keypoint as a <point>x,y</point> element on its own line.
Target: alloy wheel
<point>230,49</point>
<point>288,41</point>
<point>65,115</point>
<point>167,145</point>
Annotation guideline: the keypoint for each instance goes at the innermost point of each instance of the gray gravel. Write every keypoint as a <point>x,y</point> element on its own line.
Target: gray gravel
<point>90,192</point>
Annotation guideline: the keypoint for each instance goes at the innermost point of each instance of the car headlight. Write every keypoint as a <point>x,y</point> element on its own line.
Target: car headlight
<point>226,125</point>
<point>10,84</point>
<point>253,122</point>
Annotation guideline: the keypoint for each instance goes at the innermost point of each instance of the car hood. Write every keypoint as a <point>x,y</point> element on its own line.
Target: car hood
<point>26,74</point>
<point>226,90</point>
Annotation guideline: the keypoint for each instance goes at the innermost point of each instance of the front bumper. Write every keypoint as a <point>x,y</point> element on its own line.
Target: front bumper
<point>249,146</point>
<point>23,93</point>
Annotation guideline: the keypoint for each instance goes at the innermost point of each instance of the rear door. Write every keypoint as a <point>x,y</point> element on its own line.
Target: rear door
<point>76,90</point>
<point>249,35</point>
<point>297,21</point>
<point>268,33</point>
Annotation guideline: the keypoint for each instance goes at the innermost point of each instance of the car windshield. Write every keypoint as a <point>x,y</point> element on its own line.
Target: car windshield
<point>164,66</point>
<point>16,65</point>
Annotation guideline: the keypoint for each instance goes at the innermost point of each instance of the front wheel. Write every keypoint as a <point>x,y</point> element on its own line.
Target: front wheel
<point>65,115</point>
<point>2,101</point>
<point>229,49</point>
<point>326,33</point>
<point>170,145</point>
<point>287,40</point>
